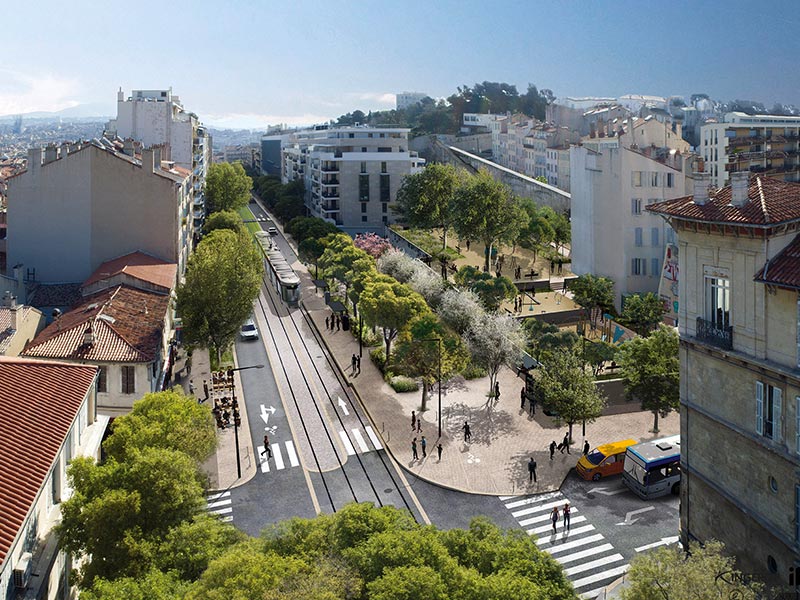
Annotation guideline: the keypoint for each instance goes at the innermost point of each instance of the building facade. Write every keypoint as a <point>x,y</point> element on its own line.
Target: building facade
<point>739,260</point>
<point>406,99</point>
<point>351,174</point>
<point>19,324</point>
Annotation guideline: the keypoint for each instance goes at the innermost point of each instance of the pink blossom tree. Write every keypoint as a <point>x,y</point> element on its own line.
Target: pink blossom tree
<point>372,244</point>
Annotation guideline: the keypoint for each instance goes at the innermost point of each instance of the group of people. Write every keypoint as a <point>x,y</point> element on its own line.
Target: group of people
<point>523,396</point>
<point>555,515</point>
<point>355,364</point>
<point>222,411</point>
<point>553,263</point>
<point>564,445</point>
<point>416,426</point>
<point>333,323</point>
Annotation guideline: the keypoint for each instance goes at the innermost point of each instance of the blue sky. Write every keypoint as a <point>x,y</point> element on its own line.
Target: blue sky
<point>247,63</point>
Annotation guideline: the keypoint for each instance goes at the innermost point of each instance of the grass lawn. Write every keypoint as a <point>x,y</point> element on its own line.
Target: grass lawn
<point>429,242</point>
<point>247,215</point>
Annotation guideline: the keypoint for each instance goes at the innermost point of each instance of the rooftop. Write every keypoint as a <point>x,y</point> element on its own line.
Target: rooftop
<point>137,265</point>
<point>783,270</point>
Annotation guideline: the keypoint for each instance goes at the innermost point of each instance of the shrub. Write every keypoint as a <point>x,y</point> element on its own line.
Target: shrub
<point>474,372</point>
<point>401,383</point>
<point>378,356</point>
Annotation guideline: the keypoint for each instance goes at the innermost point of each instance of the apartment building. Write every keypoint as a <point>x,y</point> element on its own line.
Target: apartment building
<point>83,204</point>
<point>762,144</point>
<point>613,178</point>
<point>406,99</point>
<point>351,174</point>
<point>247,154</point>
<point>739,262</point>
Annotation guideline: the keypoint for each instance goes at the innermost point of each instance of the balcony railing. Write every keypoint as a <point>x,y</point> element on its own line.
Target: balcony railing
<point>716,335</point>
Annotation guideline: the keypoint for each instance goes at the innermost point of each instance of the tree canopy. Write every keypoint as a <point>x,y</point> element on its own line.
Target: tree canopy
<point>223,279</point>
<point>494,340</point>
<point>224,219</point>
<point>642,313</point>
<point>595,294</point>
<point>490,289</point>
<point>227,187</point>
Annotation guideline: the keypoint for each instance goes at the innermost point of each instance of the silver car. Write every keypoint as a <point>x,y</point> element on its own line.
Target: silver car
<point>249,330</point>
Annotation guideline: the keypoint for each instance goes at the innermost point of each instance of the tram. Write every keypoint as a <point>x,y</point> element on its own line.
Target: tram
<point>281,275</point>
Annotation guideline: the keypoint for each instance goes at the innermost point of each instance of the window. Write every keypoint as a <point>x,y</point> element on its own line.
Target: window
<point>797,513</point>
<point>636,206</point>
<point>384,149</point>
<point>638,236</point>
<point>385,207</point>
<point>654,236</point>
<point>636,178</point>
<point>363,218</point>
<point>718,301</point>
<point>102,380</point>
<point>638,266</point>
<point>655,267</point>
<point>655,179</point>
<point>55,481</point>
<point>363,148</point>
<point>768,411</point>
<point>363,207</point>
<point>363,188</point>
<point>363,166</point>
<point>383,167</point>
<point>385,219</point>
<point>670,182</point>
<point>385,188</point>
<point>351,135</point>
<point>128,380</point>
<point>798,332</point>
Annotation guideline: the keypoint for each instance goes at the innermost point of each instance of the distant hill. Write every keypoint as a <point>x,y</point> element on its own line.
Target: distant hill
<point>94,111</point>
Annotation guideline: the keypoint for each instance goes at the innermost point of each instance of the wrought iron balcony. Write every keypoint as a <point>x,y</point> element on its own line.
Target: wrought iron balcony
<point>716,335</point>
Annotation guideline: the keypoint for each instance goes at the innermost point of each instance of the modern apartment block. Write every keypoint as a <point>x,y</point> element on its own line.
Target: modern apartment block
<point>759,144</point>
<point>351,174</point>
<point>613,178</point>
<point>739,263</point>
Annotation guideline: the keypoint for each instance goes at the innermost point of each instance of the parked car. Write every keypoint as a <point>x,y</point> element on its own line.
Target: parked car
<point>272,231</point>
<point>604,460</point>
<point>249,330</point>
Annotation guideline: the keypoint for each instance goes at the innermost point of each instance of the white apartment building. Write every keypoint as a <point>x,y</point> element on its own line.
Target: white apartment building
<point>765,145</point>
<point>612,180</point>
<point>406,99</point>
<point>351,174</point>
<point>88,203</point>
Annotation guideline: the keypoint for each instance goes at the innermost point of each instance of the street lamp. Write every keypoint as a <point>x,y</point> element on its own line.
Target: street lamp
<point>237,420</point>
<point>439,370</point>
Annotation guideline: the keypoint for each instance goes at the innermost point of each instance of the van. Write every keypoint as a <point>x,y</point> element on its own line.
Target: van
<point>604,460</point>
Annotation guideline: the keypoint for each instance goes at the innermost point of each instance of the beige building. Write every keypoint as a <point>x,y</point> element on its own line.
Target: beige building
<point>18,325</point>
<point>739,318</point>
<point>88,203</point>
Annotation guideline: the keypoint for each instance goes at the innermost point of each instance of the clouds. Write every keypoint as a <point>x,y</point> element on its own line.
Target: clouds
<point>236,120</point>
<point>32,92</point>
<point>385,98</point>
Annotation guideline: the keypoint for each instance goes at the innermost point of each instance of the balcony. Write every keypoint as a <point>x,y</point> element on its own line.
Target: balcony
<point>330,168</point>
<point>719,336</point>
<point>326,195</point>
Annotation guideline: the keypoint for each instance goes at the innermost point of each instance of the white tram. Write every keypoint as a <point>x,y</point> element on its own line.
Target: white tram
<point>283,278</point>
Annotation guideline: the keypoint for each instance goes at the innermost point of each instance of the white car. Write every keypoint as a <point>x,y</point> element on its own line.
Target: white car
<point>272,231</point>
<point>249,330</point>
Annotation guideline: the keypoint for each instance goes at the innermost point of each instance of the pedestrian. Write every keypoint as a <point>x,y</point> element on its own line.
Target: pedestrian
<point>414,449</point>
<point>358,364</point>
<point>552,266</point>
<point>565,444</point>
<point>424,443</point>
<point>205,389</point>
<point>191,388</point>
<point>467,244</point>
<point>532,470</point>
<point>327,323</point>
<point>353,363</point>
<point>497,390</point>
<point>566,516</point>
<point>522,398</point>
<point>467,432</point>
<point>554,518</point>
<point>419,424</point>
<point>552,449</point>
<point>532,407</point>
<point>585,448</point>
<point>413,420</point>
<point>267,450</point>
<point>560,263</point>
<point>439,451</point>
<point>338,322</point>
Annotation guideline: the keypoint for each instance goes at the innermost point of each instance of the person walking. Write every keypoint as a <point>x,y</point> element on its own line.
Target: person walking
<point>560,264</point>
<point>424,443</point>
<point>532,470</point>
<point>552,266</point>
<point>358,364</point>
<point>353,363</point>
<point>552,449</point>
<point>585,447</point>
<point>338,322</point>
<point>554,518</point>
<point>532,406</point>
<point>419,424</point>
<point>565,444</point>
<point>467,432</point>
<point>413,420</point>
<point>414,455</point>
<point>205,388</point>
<point>497,390</point>
<point>267,450</point>
<point>439,451</point>
<point>327,323</point>
<point>522,398</point>
<point>565,510</point>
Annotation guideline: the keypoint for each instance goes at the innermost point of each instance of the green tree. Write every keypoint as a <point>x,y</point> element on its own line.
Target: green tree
<point>568,390</point>
<point>642,313</point>
<point>390,306</point>
<point>311,249</point>
<point>545,338</point>
<point>223,279</point>
<point>361,271</point>
<point>227,187</point>
<point>494,340</point>
<point>168,420</point>
<point>427,199</point>
<point>188,548</point>
<point>224,219</point>
<point>491,290</point>
<point>705,572</point>
<point>418,353</point>
<point>539,231</point>
<point>153,585</point>
<point>487,210</point>
<point>303,228</point>
<point>595,294</point>
<point>650,368</point>
<point>339,257</point>
<point>597,353</point>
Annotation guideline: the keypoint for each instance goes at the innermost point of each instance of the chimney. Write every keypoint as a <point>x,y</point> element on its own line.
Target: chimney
<point>740,185</point>
<point>157,157</point>
<point>14,310</point>
<point>591,130</point>
<point>127,146</point>
<point>88,336</point>
<point>50,153</point>
<point>34,159</point>
<point>147,159</point>
<point>9,300</point>
<point>120,95</point>
<point>702,182</point>
<point>64,149</point>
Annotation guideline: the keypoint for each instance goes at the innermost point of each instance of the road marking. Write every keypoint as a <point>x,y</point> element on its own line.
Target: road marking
<point>600,562</point>
<point>276,453</point>
<point>546,528</point>
<point>602,490</point>
<point>532,500</point>
<point>347,445</point>
<point>535,509</point>
<point>225,502</point>
<point>584,553</point>
<point>540,518</point>
<point>616,572</point>
<point>629,521</point>
<point>265,413</point>
<point>504,498</point>
<point>293,461</point>
<point>662,542</point>
<point>343,405</point>
<point>218,496</point>
<point>264,460</point>
<point>360,440</point>
<point>222,511</point>
<point>575,544</point>
<point>578,530</point>
<point>374,438</point>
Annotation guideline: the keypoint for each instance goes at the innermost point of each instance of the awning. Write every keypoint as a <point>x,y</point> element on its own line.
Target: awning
<point>337,307</point>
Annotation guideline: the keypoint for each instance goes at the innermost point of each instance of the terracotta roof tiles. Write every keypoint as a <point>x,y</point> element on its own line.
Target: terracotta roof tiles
<point>139,266</point>
<point>784,268</point>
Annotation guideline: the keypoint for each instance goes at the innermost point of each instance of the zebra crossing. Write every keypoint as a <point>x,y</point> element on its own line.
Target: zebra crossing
<point>284,455</point>
<point>589,560</point>
<point>219,503</point>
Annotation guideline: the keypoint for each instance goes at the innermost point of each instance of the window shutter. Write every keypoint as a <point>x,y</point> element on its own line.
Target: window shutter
<point>777,400</point>
<point>759,408</point>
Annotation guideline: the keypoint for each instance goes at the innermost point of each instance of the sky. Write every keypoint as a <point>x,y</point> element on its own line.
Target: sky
<point>253,63</point>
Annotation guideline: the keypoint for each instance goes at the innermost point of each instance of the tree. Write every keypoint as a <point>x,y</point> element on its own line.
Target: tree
<point>642,313</point>
<point>427,199</point>
<point>703,572</point>
<point>487,210</point>
<point>459,309</point>
<point>494,341</point>
<point>303,228</point>
<point>419,355</point>
<point>188,548</point>
<point>223,279</point>
<point>339,256</point>
<point>597,353</point>
<point>650,368</point>
<point>224,219</point>
<point>491,290</point>
<point>390,306</point>
<point>399,265</point>
<point>169,420</point>
<point>545,338</point>
<point>372,244</point>
<point>153,585</point>
<point>595,294</point>
<point>568,390</point>
<point>362,270</point>
<point>539,231</point>
<point>227,187</point>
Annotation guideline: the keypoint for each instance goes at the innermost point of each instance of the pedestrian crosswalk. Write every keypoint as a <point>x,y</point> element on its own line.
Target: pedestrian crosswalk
<point>219,503</point>
<point>284,455</point>
<point>589,560</point>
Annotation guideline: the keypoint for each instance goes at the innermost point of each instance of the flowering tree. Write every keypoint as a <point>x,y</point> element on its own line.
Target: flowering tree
<point>399,265</point>
<point>495,340</point>
<point>429,285</point>
<point>372,244</point>
<point>459,309</point>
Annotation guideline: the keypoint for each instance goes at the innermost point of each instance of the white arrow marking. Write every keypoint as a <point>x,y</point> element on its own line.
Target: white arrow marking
<point>603,490</point>
<point>629,521</point>
<point>265,414</point>
<point>343,406</point>
<point>665,541</point>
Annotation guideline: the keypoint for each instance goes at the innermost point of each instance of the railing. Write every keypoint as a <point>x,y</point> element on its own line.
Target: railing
<point>709,332</point>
